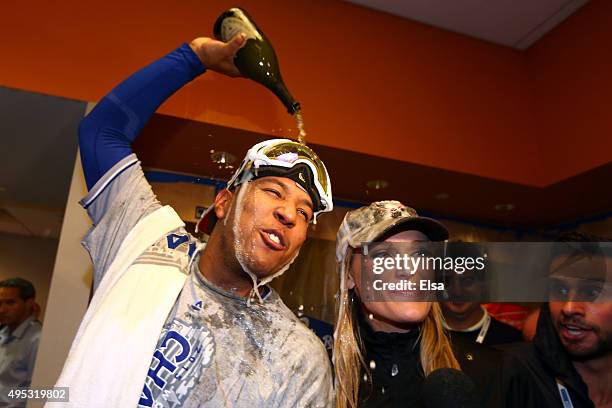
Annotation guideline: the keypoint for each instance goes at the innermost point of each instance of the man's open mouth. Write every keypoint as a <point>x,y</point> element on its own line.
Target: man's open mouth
<point>273,239</point>
<point>573,332</point>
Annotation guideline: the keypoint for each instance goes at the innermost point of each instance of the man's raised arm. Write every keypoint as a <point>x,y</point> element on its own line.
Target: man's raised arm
<point>106,134</point>
<point>119,195</point>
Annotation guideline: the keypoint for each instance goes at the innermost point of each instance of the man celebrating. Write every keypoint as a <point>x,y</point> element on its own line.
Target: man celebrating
<point>175,322</point>
<point>569,363</point>
<point>19,337</point>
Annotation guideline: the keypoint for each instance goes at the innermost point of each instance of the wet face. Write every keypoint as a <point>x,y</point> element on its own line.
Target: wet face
<point>13,309</point>
<point>461,288</point>
<point>269,221</point>
<point>584,328</point>
<point>393,315</point>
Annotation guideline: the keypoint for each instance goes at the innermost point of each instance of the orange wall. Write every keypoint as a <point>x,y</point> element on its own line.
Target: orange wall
<point>367,81</point>
<point>571,70</point>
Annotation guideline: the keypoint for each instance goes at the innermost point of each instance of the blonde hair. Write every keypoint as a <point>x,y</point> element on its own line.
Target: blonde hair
<point>349,363</point>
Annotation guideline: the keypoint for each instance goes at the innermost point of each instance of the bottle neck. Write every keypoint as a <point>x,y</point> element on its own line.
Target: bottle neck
<point>281,91</point>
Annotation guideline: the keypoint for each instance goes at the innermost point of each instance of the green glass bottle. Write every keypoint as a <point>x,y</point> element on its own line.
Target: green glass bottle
<point>256,60</point>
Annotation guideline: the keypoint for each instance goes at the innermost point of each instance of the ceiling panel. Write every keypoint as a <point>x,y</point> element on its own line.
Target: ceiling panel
<point>513,23</point>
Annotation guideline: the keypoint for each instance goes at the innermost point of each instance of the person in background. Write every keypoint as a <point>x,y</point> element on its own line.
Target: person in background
<point>569,362</point>
<point>19,337</point>
<point>464,315</point>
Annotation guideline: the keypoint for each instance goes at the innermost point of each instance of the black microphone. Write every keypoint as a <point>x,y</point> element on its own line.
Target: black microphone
<point>449,388</point>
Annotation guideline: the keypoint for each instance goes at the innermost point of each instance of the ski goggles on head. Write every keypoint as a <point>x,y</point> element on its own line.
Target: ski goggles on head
<point>282,158</point>
<point>286,158</point>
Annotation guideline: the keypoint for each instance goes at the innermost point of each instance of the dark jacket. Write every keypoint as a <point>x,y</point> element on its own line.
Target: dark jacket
<point>397,374</point>
<point>498,333</point>
<point>531,370</point>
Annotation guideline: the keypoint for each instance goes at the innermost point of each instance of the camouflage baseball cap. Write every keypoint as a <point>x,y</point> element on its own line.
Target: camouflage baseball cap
<point>367,224</point>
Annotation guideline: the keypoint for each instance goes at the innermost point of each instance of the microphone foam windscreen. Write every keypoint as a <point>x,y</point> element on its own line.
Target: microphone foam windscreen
<point>449,388</point>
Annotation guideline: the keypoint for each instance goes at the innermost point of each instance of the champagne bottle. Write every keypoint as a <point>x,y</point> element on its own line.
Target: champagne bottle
<point>256,60</point>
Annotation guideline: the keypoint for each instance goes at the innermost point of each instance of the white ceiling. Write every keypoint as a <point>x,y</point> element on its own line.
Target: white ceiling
<point>513,23</point>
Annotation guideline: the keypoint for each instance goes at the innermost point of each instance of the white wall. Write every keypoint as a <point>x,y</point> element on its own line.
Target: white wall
<point>69,292</point>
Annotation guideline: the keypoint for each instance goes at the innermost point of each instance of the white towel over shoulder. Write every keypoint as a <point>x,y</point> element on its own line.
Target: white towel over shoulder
<point>111,353</point>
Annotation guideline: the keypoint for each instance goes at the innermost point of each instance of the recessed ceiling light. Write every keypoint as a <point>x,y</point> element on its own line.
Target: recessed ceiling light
<point>504,207</point>
<point>377,184</point>
<point>223,159</point>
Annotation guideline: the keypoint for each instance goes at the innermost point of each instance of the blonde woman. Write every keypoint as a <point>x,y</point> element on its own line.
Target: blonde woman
<point>383,350</point>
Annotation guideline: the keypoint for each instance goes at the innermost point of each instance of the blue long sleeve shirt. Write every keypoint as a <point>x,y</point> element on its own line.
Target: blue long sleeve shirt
<point>106,134</point>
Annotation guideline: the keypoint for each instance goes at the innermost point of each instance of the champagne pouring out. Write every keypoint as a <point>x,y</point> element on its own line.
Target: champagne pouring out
<point>257,60</point>
<point>300,125</point>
